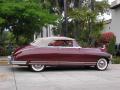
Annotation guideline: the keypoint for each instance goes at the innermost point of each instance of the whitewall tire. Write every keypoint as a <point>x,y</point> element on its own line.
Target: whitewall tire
<point>102,64</point>
<point>37,67</point>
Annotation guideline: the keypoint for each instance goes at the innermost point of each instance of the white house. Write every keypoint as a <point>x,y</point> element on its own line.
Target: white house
<point>46,32</point>
<point>107,26</point>
<point>115,24</point>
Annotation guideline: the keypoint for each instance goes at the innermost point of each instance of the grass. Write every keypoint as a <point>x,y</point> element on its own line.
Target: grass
<point>116,60</point>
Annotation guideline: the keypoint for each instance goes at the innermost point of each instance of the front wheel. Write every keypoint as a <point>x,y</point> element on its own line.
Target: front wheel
<point>102,64</point>
<point>37,67</point>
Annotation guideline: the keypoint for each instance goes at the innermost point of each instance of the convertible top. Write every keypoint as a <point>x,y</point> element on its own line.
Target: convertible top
<point>45,41</point>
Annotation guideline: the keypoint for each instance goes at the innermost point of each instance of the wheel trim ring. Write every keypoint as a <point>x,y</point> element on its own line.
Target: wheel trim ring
<point>37,69</point>
<point>99,64</point>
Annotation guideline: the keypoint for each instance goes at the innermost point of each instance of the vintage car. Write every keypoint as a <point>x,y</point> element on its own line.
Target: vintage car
<point>55,51</point>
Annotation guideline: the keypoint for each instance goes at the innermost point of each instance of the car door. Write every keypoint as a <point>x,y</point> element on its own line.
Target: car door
<point>76,56</point>
<point>68,55</point>
<point>45,55</point>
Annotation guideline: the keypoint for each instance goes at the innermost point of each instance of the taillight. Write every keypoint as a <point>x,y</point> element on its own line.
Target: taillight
<point>103,49</point>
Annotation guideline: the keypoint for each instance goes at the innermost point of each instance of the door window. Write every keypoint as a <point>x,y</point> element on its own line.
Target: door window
<point>64,43</point>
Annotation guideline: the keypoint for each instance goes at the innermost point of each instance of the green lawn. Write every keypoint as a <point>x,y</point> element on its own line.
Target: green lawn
<point>116,60</point>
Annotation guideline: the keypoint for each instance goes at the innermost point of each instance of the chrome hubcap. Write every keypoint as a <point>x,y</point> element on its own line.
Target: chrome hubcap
<point>37,66</point>
<point>102,64</point>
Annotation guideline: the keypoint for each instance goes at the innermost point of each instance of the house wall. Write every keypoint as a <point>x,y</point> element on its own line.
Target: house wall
<point>107,27</point>
<point>46,32</point>
<point>115,24</point>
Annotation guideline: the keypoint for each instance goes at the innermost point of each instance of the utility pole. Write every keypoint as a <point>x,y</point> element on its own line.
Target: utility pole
<point>65,18</point>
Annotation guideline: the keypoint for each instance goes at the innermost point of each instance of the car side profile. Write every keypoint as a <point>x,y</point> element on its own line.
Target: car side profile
<point>56,51</point>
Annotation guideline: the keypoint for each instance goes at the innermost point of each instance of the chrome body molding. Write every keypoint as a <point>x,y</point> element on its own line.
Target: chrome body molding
<point>19,62</point>
<point>62,63</point>
<point>13,62</point>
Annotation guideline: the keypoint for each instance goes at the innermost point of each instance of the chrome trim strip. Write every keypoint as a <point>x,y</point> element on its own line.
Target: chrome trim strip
<point>62,63</point>
<point>19,62</point>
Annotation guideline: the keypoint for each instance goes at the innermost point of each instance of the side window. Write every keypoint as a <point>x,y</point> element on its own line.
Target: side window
<point>69,43</point>
<point>56,43</point>
<point>65,43</point>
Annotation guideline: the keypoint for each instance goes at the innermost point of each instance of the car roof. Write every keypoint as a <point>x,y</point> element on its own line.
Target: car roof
<point>57,38</point>
<point>46,40</point>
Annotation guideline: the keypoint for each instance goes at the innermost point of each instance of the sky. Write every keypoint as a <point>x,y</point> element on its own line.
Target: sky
<point>108,0</point>
<point>111,0</point>
<point>106,16</point>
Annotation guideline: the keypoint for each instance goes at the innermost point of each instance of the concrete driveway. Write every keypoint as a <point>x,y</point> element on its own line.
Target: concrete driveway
<point>59,78</point>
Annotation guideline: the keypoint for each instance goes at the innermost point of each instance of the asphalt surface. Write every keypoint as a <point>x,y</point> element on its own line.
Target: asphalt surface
<point>59,78</point>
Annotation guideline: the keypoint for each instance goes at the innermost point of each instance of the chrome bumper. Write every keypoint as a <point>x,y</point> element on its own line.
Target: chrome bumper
<point>110,59</point>
<point>13,62</point>
<point>10,59</point>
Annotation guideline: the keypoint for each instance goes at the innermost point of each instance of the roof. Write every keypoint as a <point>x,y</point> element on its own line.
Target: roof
<point>45,41</point>
<point>115,4</point>
<point>56,38</point>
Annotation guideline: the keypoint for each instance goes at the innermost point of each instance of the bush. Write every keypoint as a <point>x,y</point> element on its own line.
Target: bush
<point>111,46</point>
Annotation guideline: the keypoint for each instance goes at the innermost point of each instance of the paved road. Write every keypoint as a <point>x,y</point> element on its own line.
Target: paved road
<point>59,78</point>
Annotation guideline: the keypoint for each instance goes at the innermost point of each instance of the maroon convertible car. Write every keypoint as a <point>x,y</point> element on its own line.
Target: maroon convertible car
<point>54,51</point>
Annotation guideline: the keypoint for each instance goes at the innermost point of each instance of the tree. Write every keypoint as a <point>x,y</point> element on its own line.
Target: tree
<point>82,16</point>
<point>24,17</point>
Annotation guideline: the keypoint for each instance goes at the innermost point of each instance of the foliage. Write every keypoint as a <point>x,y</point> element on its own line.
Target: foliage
<point>111,46</point>
<point>87,25</point>
<point>116,60</point>
<point>23,17</point>
<point>82,19</point>
<point>107,37</point>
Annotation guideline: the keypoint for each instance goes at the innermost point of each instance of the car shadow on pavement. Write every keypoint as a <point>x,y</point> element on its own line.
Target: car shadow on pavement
<point>54,68</point>
<point>17,68</point>
<point>70,68</point>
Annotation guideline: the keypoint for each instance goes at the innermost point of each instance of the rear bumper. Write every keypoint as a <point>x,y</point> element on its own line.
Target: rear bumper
<point>10,60</point>
<point>14,62</point>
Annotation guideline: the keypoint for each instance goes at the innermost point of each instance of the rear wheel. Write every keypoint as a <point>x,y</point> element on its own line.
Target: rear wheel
<point>37,67</point>
<point>102,64</point>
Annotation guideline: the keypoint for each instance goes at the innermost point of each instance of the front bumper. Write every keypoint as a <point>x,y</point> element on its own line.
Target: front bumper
<point>14,62</point>
<point>110,59</point>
